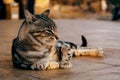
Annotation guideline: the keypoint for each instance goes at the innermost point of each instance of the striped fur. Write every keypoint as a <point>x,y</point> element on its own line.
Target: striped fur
<point>37,45</point>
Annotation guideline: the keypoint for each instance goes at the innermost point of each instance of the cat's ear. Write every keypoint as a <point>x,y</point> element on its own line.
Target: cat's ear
<point>46,13</point>
<point>28,16</point>
<point>23,31</point>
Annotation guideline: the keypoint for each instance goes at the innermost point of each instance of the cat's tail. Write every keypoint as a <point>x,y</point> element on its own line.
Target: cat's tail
<point>84,41</point>
<point>84,51</point>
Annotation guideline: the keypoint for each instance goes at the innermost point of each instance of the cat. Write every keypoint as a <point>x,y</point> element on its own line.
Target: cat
<point>37,45</point>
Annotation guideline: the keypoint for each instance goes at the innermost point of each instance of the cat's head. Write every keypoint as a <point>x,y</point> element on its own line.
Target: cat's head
<point>40,27</point>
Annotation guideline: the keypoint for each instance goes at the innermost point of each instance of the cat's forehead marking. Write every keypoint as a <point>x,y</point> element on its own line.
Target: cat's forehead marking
<point>43,23</point>
<point>46,19</point>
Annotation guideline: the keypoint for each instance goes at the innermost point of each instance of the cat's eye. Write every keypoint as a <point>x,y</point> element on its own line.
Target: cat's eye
<point>42,33</point>
<point>36,34</point>
<point>49,32</point>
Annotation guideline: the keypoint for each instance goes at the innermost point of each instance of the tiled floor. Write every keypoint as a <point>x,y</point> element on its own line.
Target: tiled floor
<point>105,34</point>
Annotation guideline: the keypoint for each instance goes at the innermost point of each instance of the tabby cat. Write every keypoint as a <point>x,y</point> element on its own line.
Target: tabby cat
<point>37,45</point>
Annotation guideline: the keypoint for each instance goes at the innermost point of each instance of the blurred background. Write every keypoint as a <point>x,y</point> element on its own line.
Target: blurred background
<point>72,9</point>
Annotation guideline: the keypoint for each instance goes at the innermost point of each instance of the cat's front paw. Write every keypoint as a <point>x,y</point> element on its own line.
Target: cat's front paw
<point>65,65</point>
<point>39,66</point>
